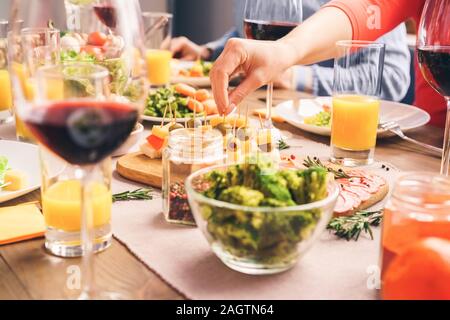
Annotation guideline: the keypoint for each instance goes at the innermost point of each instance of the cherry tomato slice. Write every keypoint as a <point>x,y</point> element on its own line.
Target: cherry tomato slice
<point>97,38</point>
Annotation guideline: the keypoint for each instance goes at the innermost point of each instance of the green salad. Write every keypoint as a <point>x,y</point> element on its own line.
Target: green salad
<point>268,237</point>
<point>118,71</point>
<point>161,98</point>
<point>322,119</point>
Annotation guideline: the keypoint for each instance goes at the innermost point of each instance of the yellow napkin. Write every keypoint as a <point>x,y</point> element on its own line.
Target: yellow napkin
<point>20,223</point>
<point>263,111</point>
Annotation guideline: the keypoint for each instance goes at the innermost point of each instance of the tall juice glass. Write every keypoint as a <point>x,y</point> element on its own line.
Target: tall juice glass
<point>5,81</point>
<point>416,239</point>
<point>31,48</point>
<point>158,33</point>
<point>358,72</point>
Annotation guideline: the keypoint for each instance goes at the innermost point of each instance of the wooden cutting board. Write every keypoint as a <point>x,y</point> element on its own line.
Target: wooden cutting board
<point>140,168</point>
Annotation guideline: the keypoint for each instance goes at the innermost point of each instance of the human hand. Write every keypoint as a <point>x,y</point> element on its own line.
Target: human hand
<point>260,61</point>
<point>285,80</point>
<point>183,48</point>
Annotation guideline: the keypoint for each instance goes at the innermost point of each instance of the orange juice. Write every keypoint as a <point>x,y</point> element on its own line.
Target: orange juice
<point>54,89</point>
<point>355,122</point>
<point>28,89</point>
<point>5,91</point>
<point>158,66</point>
<point>61,204</point>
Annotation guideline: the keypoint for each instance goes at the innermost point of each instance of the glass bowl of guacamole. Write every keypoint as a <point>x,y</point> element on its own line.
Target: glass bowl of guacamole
<point>260,218</point>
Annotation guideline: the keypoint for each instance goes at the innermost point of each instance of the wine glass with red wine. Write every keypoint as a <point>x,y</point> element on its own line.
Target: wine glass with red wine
<point>271,20</point>
<point>434,59</point>
<point>84,100</point>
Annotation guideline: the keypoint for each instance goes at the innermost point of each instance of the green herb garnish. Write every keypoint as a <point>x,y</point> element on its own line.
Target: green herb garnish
<point>315,162</point>
<point>138,194</point>
<point>282,145</point>
<point>351,227</point>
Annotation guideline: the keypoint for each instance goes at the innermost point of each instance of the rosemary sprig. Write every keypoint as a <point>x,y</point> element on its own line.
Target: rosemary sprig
<point>315,162</point>
<point>351,227</point>
<point>282,145</point>
<point>138,194</point>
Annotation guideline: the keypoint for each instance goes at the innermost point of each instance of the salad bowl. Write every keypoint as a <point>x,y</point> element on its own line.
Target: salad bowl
<point>258,240</point>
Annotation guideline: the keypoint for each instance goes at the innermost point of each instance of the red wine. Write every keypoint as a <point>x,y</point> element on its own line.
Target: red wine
<point>107,15</point>
<point>82,132</point>
<point>435,65</point>
<point>262,30</point>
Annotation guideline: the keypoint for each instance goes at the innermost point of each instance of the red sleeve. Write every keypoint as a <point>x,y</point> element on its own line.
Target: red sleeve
<point>371,19</point>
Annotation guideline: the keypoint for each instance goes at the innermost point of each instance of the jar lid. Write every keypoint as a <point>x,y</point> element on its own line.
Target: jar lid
<point>424,190</point>
<point>196,143</point>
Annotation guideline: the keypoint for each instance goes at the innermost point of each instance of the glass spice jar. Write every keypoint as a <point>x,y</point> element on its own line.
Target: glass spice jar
<point>187,151</point>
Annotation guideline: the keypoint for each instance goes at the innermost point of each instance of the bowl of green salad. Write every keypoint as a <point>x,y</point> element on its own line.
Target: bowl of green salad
<point>258,217</point>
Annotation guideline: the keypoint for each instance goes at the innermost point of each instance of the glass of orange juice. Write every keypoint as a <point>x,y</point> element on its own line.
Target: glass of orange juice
<point>5,81</point>
<point>358,71</point>
<point>158,33</point>
<point>416,239</point>
<point>30,49</point>
<point>61,205</point>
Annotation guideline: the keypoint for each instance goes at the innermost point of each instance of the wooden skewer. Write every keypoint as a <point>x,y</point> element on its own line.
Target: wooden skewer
<point>195,114</point>
<point>171,112</point>
<point>234,126</point>
<point>164,117</point>
<point>246,117</point>
<point>260,121</point>
<point>175,116</point>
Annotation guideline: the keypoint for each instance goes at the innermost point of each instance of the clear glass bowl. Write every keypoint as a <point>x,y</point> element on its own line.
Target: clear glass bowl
<point>258,240</point>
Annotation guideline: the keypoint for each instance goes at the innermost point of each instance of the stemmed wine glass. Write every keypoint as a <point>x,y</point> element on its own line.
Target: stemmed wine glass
<point>271,20</point>
<point>83,97</point>
<point>434,59</point>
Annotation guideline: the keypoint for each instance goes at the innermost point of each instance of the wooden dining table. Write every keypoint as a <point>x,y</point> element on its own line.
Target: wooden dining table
<point>28,271</point>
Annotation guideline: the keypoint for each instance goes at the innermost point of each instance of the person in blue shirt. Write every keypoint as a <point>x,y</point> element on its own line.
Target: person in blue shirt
<point>318,78</point>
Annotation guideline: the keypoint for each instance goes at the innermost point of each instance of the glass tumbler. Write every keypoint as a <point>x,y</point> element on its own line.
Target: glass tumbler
<point>158,33</point>
<point>358,73</point>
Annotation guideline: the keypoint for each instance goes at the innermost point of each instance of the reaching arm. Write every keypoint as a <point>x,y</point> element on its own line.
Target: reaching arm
<point>309,43</point>
<point>262,61</point>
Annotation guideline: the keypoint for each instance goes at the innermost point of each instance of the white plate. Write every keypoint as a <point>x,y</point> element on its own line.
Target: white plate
<point>179,120</point>
<point>408,117</point>
<point>176,65</point>
<point>199,82</point>
<point>23,157</point>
